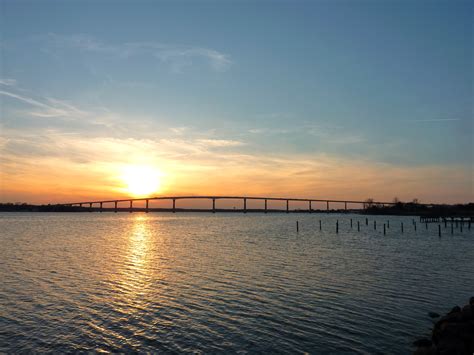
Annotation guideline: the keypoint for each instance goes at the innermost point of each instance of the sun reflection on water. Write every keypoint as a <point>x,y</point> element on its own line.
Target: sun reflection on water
<point>136,267</point>
<point>139,244</point>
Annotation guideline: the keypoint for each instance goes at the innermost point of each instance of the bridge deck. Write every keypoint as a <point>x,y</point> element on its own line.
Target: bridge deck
<point>244,199</point>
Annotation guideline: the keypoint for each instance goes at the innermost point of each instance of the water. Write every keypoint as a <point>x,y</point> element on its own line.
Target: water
<point>224,282</point>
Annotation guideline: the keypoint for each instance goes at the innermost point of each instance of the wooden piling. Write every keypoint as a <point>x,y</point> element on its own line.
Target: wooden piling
<point>266,206</point>
<point>319,224</point>
<point>115,209</point>
<point>439,230</point>
<point>213,205</point>
<point>174,206</point>
<point>100,208</point>
<point>358,226</point>
<point>146,206</point>
<point>337,226</point>
<point>351,222</point>
<point>384,229</point>
<point>297,226</point>
<point>131,206</point>
<point>375,225</point>
<point>90,207</point>
<point>366,221</point>
<point>402,227</point>
<point>414,225</point>
<point>426,225</point>
<point>245,205</point>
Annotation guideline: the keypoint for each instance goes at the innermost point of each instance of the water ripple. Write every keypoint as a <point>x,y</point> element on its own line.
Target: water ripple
<point>228,283</point>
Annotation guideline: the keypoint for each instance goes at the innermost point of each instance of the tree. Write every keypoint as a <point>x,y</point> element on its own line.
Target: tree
<point>368,203</point>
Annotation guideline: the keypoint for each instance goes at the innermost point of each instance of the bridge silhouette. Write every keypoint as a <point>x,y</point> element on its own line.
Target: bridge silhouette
<point>99,205</point>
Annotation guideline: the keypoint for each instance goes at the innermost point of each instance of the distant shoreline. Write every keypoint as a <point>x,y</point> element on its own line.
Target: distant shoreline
<point>401,209</point>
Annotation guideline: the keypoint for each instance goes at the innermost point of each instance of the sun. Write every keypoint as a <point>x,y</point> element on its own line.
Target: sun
<point>141,180</point>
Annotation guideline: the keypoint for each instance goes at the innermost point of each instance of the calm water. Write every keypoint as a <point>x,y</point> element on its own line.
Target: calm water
<point>224,282</point>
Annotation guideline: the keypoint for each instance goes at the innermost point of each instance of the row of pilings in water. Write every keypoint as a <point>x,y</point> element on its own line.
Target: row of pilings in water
<point>453,224</point>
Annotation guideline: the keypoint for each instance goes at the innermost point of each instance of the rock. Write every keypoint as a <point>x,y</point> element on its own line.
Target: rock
<point>453,330</point>
<point>451,346</point>
<point>455,309</point>
<point>423,342</point>
<point>425,351</point>
<point>467,312</point>
<point>450,317</point>
<point>452,334</point>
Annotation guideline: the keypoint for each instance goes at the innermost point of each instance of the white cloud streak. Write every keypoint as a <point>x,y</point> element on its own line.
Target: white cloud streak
<point>8,82</point>
<point>434,120</point>
<point>28,100</point>
<point>52,109</point>
<point>220,142</point>
<point>166,53</point>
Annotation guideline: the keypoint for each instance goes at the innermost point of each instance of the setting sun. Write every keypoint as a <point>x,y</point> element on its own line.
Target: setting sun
<point>141,180</point>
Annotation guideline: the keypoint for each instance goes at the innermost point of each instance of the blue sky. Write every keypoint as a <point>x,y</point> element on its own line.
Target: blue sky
<point>382,82</point>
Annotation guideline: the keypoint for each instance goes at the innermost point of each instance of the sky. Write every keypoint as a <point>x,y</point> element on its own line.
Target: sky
<point>316,99</point>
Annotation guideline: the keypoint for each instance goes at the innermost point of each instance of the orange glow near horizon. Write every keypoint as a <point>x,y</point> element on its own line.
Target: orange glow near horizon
<point>114,169</point>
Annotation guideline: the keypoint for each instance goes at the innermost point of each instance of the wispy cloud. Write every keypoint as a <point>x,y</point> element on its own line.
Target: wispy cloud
<point>269,131</point>
<point>327,133</point>
<point>434,120</point>
<point>81,156</point>
<point>25,99</point>
<point>220,142</point>
<point>69,118</point>
<point>179,130</point>
<point>53,163</point>
<point>102,124</point>
<point>8,82</point>
<point>48,107</point>
<point>167,53</point>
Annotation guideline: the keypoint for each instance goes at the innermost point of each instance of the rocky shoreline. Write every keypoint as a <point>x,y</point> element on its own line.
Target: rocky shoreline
<point>451,334</point>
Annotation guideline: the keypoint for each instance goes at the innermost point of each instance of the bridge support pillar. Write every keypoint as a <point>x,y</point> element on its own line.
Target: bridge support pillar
<point>115,209</point>
<point>245,205</point>
<point>131,206</point>
<point>146,206</point>
<point>265,206</point>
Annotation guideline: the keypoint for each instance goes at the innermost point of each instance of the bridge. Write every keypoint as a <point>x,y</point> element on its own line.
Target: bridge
<point>99,205</point>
